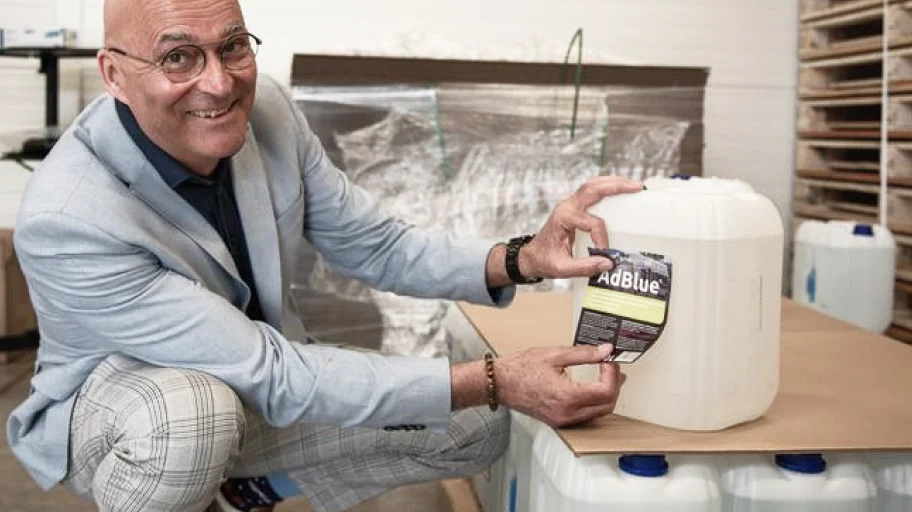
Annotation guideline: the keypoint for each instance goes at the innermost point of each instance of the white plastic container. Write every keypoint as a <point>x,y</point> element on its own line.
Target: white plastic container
<point>562,482</point>
<point>490,487</point>
<point>518,466</point>
<point>504,487</point>
<point>717,362</point>
<point>846,270</point>
<point>892,475</point>
<point>794,483</point>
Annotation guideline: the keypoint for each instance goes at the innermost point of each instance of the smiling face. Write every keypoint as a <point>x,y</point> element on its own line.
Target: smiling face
<point>200,121</point>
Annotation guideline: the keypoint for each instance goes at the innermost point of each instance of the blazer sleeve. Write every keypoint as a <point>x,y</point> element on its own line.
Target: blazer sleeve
<point>108,296</point>
<point>344,222</point>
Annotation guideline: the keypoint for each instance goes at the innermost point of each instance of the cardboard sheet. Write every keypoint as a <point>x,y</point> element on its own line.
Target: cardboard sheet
<point>841,388</point>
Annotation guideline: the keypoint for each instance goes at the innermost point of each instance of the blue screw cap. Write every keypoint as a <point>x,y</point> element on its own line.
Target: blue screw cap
<point>644,465</point>
<point>680,176</point>
<point>863,230</point>
<point>807,463</point>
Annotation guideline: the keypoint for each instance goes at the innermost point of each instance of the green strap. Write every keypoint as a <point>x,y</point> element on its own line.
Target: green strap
<point>441,141</point>
<point>578,36</point>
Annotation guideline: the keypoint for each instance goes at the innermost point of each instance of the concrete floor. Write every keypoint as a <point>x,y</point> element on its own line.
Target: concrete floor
<point>19,493</point>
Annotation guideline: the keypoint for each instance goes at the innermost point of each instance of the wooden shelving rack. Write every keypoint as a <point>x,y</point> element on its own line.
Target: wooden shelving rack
<point>840,115</point>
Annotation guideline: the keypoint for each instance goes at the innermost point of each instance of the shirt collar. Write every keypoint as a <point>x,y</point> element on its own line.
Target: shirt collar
<point>173,172</point>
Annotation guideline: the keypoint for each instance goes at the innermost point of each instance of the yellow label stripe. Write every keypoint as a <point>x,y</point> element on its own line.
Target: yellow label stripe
<point>625,305</point>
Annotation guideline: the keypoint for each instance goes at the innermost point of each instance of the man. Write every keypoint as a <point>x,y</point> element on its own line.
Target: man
<point>158,240</point>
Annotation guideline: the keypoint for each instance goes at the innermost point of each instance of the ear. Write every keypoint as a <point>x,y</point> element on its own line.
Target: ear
<point>111,74</point>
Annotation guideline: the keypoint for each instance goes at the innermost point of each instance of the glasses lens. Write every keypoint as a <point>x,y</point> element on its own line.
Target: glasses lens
<point>183,63</point>
<point>239,51</point>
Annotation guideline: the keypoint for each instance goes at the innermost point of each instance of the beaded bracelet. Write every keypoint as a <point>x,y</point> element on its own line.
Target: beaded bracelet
<point>492,382</point>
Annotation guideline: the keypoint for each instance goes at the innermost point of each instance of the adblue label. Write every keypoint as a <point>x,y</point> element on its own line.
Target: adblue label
<point>628,306</point>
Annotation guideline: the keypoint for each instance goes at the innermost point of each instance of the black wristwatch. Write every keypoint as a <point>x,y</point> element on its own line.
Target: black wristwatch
<point>512,260</point>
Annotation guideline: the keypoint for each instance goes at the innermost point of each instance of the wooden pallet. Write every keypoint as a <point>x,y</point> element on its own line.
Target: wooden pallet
<point>855,32</point>
<point>855,118</point>
<point>854,73</point>
<point>858,158</point>
<point>812,10</point>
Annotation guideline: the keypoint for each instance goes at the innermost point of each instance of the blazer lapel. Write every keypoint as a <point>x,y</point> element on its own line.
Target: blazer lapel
<point>152,190</point>
<point>254,201</point>
<point>124,158</point>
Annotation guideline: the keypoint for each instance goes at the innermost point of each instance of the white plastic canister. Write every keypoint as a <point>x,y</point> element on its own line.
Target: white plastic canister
<point>562,482</point>
<point>518,465</point>
<point>892,474</point>
<point>717,362</point>
<point>794,483</point>
<point>846,270</point>
<point>490,487</point>
<point>504,487</point>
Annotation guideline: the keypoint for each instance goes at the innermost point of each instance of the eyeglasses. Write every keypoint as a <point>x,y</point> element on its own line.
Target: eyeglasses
<point>186,62</point>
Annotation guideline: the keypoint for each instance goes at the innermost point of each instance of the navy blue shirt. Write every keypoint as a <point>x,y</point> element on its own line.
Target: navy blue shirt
<point>213,197</point>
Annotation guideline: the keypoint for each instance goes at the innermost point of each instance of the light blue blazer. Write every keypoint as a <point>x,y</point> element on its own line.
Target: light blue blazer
<point>116,261</point>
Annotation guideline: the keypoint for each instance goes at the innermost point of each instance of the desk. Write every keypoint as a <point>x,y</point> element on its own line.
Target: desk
<point>842,388</point>
<point>50,66</point>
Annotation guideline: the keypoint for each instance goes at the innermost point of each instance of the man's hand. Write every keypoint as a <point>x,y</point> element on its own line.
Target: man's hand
<point>536,383</point>
<point>550,253</point>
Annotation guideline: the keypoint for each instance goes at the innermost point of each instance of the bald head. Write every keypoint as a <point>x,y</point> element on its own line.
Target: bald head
<point>129,22</point>
<point>119,14</point>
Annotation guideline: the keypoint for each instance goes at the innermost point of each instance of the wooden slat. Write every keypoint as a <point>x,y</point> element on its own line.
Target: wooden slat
<point>855,134</point>
<point>859,177</point>
<point>903,238</point>
<point>846,19</point>
<point>839,10</point>
<point>861,209</point>
<point>900,333</point>
<point>895,87</point>
<point>842,144</point>
<point>852,166</point>
<point>832,51</point>
<point>904,273</point>
<point>857,101</point>
<point>904,286</point>
<point>823,212</point>
<point>844,186</point>
<point>865,58</point>
<point>857,84</point>
<point>855,126</point>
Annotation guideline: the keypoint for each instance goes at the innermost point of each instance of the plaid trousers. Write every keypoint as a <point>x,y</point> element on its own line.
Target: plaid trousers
<point>145,438</point>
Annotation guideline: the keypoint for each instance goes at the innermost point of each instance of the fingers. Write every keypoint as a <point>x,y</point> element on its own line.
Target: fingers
<point>581,354</point>
<point>589,223</point>
<point>605,390</point>
<point>598,188</point>
<point>583,267</point>
<point>611,373</point>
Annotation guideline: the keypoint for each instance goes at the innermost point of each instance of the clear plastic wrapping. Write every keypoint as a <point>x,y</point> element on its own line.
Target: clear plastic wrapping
<point>489,161</point>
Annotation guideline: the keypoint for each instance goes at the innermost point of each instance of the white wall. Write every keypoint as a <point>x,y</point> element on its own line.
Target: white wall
<point>750,47</point>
